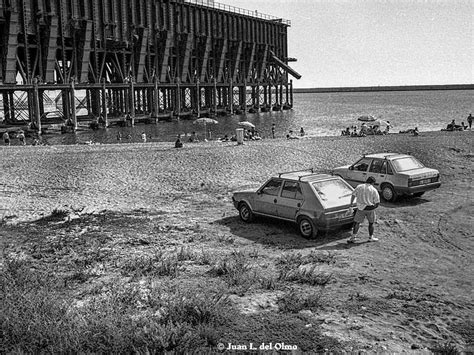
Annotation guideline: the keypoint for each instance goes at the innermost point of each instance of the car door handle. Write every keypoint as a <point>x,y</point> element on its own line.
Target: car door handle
<point>382,175</point>
<point>298,205</point>
<point>275,201</point>
<point>364,173</point>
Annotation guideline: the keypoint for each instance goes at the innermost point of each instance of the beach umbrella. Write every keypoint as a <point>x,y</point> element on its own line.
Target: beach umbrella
<point>246,124</point>
<point>366,118</point>
<point>204,121</point>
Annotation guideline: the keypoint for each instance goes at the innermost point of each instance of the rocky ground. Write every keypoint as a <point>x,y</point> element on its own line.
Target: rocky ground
<point>103,215</point>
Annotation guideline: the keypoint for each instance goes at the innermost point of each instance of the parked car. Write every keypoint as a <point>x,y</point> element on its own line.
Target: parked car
<point>313,201</point>
<point>395,174</point>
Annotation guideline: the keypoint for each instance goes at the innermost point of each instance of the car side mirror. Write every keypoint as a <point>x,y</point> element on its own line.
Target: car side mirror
<point>351,167</point>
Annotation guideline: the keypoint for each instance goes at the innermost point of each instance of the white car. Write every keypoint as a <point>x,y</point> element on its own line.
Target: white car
<point>395,174</point>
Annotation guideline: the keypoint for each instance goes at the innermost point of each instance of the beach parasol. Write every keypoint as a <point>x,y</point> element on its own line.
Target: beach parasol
<point>204,121</point>
<point>246,124</point>
<point>366,118</point>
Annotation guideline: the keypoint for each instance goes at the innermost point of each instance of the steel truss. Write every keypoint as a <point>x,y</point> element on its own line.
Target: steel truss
<point>139,59</point>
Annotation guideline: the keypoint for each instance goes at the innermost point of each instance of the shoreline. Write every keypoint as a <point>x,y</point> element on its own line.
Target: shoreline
<point>151,140</point>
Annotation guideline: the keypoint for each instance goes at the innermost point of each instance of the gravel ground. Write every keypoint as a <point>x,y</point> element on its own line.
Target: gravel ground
<point>123,177</point>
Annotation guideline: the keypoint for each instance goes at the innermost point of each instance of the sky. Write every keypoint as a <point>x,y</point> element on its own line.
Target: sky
<point>347,43</point>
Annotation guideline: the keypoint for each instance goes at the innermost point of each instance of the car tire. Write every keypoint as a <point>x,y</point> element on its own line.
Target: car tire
<point>388,193</point>
<point>418,194</point>
<point>307,228</point>
<point>245,213</point>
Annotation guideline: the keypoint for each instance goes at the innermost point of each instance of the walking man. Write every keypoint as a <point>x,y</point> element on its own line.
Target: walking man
<point>469,120</point>
<point>367,199</point>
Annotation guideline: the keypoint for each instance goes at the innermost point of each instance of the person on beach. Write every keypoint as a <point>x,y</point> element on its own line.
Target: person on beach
<point>416,132</point>
<point>21,137</point>
<point>178,143</point>
<point>193,138</point>
<point>119,136</point>
<point>273,130</point>
<point>302,132</point>
<point>129,137</point>
<point>367,199</point>
<point>144,137</point>
<point>453,126</point>
<point>6,138</point>
<point>354,132</point>
<point>469,120</point>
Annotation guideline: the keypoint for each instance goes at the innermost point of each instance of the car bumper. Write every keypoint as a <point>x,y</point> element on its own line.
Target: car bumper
<point>421,188</point>
<point>334,222</point>
<point>235,202</point>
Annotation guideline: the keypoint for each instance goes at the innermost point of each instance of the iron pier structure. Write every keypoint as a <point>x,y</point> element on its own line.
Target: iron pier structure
<point>131,60</point>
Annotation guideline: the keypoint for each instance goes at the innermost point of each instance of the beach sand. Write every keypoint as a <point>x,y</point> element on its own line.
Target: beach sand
<point>409,291</point>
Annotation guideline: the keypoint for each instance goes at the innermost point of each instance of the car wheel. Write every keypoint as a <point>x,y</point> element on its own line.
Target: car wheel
<point>307,228</point>
<point>418,194</point>
<point>388,193</point>
<point>245,212</point>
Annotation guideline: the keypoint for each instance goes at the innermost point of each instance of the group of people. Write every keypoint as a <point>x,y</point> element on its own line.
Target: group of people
<point>20,135</point>
<point>365,130</point>
<point>455,127</point>
<point>252,135</point>
<point>292,135</point>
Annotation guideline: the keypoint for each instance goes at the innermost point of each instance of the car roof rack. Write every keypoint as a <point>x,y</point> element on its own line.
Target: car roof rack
<point>309,171</point>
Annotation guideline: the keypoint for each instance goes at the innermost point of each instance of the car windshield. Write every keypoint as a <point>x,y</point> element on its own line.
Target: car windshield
<point>333,193</point>
<point>407,163</point>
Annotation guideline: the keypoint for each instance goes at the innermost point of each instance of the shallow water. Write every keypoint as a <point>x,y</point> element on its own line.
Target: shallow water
<point>321,114</point>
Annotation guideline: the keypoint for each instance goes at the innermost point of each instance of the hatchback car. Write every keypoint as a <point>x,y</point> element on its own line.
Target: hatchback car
<point>395,174</point>
<point>314,201</point>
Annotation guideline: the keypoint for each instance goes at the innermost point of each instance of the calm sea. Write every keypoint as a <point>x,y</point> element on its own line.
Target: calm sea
<point>320,114</point>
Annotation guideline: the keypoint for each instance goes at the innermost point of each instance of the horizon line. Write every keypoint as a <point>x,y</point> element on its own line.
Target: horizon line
<point>386,88</point>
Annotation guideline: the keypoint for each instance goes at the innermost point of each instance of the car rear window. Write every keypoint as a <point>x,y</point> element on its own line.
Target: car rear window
<point>408,163</point>
<point>333,193</point>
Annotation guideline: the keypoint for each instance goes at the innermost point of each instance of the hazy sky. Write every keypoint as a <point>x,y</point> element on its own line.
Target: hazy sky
<point>376,42</point>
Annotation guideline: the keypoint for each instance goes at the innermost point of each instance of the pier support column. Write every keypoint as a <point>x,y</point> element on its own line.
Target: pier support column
<point>104,105</point>
<point>37,113</point>
<point>132,102</point>
<point>291,93</point>
<point>198,99</point>
<point>215,97</point>
<point>281,97</point>
<point>157,99</point>
<point>178,97</point>
<point>73,105</point>
<point>231,97</point>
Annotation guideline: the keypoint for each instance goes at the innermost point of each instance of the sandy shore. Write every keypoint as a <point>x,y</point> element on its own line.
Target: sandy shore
<point>409,291</point>
<point>36,180</point>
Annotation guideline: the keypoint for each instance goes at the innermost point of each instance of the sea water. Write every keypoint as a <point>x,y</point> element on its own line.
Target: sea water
<point>320,114</point>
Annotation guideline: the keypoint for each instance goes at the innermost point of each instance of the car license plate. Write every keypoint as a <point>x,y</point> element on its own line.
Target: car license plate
<point>425,181</point>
